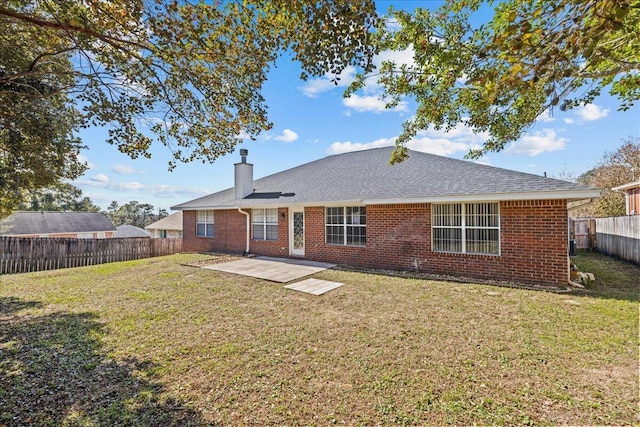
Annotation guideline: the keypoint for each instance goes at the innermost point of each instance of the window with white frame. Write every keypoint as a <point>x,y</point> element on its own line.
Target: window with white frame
<point>204,224</point>
<point>265,224</point>
<point>346,225</point>
<point>470,228</point>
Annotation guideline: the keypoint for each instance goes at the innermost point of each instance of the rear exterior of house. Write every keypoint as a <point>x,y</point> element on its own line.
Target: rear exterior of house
<point>430,214</point>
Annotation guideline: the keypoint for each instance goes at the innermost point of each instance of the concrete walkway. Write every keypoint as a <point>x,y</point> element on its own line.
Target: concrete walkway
<point>282,270</point>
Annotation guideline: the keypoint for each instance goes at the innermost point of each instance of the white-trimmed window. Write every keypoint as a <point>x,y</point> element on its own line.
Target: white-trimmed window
<point>469,228</point>
<point>204,224</point>
<point>346,225</point>
<point>265,224</point>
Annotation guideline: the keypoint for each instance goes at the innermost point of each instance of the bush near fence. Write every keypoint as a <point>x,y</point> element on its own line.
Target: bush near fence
<point>23,255</point>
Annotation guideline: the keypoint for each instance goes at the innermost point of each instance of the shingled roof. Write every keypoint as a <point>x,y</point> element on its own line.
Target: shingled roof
<point>27,223</point>
<point>367,177</point>
<point>171,222</point>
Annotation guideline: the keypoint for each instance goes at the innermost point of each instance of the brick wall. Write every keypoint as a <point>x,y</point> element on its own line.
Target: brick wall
<point>534,243</point>
<point>533,239</point>
<point>279,248</point>
<point>229,233</point>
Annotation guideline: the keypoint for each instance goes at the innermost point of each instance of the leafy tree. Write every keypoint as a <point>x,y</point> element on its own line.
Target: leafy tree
<point>614,169</point>
<point>499,76</point>
<point>62,197</point>
<point>134,213</point>
<point>185,73</point>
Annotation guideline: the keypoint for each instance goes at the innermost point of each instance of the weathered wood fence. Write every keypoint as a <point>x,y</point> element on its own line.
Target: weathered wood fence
<point>619,236</point>
<point>23,255</point>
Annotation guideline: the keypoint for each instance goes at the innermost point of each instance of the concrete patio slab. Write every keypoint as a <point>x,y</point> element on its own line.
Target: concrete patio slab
<point>314,286</point>
<point>282,270</point>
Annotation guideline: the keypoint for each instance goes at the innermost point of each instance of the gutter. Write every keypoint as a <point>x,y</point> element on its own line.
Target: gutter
<point>246,252</point>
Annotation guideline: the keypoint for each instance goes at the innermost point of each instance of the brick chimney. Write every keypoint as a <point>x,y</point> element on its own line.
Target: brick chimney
<point>243,176</point>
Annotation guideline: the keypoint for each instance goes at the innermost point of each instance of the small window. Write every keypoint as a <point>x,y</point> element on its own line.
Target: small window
<point>346,225</point>
<point>163,234</point>
<point>204,224</point>
<point>472,228</point>
<point>265,224</point>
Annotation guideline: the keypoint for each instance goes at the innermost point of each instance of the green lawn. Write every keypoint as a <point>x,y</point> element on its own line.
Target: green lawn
<point>155,342</point>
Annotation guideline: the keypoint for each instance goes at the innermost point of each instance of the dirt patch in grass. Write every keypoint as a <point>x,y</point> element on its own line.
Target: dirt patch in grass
<point>156,342</point>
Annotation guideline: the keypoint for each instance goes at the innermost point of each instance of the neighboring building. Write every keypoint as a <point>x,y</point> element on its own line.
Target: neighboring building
<point>126,230</point>
<point>632,196</point>
<point>430,214</point>
<point>57,224</point>
<point>167,227</point>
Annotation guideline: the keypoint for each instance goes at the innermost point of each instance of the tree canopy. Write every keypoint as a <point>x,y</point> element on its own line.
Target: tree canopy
<point>60,197</point>
<point>500,76</point>
<point>134,213</point>
<point>186,74</point>
<point>615,168</point>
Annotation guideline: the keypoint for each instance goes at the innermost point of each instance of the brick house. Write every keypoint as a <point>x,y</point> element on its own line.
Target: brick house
<point>89,225</point>
<point>430,214</point>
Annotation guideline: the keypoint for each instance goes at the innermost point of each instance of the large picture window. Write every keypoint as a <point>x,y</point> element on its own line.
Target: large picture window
<point>265,224</point>
<point>346,225</point>
<point>471,228</point>
<point>204,224</point>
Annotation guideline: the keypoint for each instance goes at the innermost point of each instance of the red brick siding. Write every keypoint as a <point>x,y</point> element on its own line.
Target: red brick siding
<point>278,247</point>
<point>533,234</point>
<point>533,240</point>
<point>229,233</point>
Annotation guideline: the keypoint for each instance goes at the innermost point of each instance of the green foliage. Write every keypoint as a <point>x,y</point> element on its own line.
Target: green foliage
<point>498,77</point>
<point>60,197</point>
<point>614,169</point>
<point>185,74</point>
<point>134,213</point>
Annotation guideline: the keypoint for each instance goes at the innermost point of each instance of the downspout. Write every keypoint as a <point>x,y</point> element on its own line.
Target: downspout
<point>246,252</point>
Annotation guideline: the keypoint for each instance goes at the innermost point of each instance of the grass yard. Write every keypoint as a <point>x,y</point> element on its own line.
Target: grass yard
<point>154,342</point>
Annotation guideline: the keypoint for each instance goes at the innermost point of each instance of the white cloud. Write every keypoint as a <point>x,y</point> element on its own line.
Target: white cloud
<point>348,146</point>
<point>314,87</point>
<point>538,143</point>
<point>101,178</point>
<point>439,146</point>
<point>569,121</point>
<point>160,190</point>
<point>546,116</point>
<point>371,104</point>
<point>287,136</point>
<point>123,169</point>
<point>591,112</point>
<point>84,159</point>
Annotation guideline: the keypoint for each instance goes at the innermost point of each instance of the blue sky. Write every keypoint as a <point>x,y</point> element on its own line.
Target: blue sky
<point>312,120</point>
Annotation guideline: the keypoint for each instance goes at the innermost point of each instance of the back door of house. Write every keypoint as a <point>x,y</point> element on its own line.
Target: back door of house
<point>296,231</point>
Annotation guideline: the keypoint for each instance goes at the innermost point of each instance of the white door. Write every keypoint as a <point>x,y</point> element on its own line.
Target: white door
<point>296,231</point>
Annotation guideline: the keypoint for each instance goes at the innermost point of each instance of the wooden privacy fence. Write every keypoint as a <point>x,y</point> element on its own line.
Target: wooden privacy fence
<point>23,255</point>
<point>619,236</point>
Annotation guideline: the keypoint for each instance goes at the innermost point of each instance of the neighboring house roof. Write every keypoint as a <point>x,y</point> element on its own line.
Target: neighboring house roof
<point>627,186</point>
<point>171,222</point>
<point>24,223</point>
<point>126,230</point>
<point>367,177</point>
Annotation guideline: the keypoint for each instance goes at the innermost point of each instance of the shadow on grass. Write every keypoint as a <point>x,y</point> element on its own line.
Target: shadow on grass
<point>615,278</point>
<point>54,371</point>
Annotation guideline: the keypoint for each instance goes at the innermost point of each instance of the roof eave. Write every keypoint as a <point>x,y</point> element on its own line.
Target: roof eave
<point>570,195</point>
